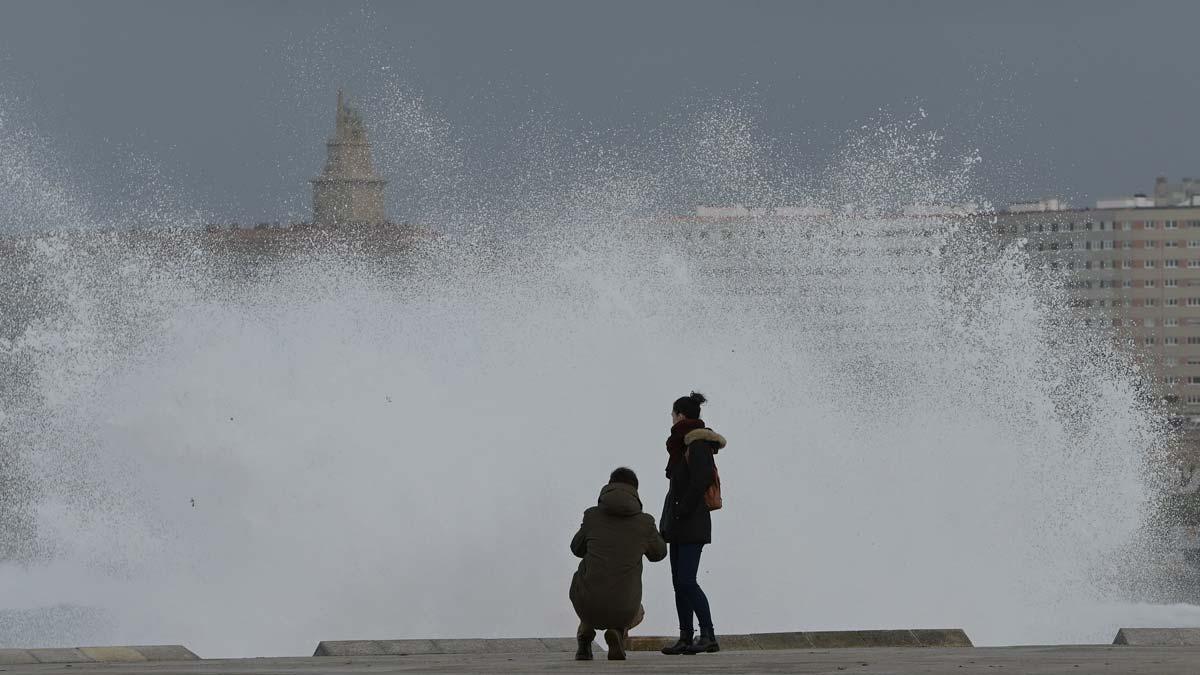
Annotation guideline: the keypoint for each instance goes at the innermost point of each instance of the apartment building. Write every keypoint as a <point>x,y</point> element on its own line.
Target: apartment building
<point>1135,267</point>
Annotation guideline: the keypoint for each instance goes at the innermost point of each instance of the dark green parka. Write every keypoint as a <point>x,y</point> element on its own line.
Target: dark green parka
<point>607,588</point>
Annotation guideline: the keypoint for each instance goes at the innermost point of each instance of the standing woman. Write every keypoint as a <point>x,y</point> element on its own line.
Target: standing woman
<point>686,522</point>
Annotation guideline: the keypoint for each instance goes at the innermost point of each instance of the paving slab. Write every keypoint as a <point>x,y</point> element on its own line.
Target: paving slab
<point>942,637</point>
<point>517,646</point>
<point>59,655</point>
<point>1058,660</point>
<point>462,646</point>
<point>15,657</point>
<point>113,654</point>
<point>563,645</point>
<point>794,640</point>
<point>166,652</point>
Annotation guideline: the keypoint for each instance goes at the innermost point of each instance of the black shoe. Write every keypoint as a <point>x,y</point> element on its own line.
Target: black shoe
<point>584,652</point>
<point>707,642</point>
<point>680,647</point>
<point>616,645</point>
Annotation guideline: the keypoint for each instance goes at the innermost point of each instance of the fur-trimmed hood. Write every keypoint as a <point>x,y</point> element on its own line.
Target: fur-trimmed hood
<point>705,435</point>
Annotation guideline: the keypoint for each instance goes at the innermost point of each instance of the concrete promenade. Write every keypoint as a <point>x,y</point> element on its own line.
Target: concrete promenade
<point>959,661</point>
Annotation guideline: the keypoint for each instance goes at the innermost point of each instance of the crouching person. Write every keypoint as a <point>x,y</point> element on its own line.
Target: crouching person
<point>607,588</point>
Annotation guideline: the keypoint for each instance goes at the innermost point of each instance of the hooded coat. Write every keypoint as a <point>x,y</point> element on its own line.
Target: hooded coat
<point>685,519</point>
<point>607,588</point>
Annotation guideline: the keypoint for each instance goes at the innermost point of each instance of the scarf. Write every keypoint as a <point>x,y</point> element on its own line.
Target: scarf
<point>675,445</point>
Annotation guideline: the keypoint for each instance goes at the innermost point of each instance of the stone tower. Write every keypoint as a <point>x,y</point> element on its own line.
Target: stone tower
<point>348,191</point>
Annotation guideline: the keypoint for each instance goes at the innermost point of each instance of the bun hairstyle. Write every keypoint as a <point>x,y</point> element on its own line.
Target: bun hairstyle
<point>689,406</point>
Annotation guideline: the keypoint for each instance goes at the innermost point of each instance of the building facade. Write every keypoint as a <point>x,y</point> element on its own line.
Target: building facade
<point>1135,269</point>
<point>348,191</point>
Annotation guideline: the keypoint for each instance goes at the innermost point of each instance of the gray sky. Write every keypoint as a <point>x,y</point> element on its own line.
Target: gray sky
<point>226,104</point>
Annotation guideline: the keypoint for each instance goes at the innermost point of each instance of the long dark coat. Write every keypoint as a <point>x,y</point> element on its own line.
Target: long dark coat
<point>685,519</point>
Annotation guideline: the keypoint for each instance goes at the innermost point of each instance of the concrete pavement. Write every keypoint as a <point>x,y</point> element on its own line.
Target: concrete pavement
<point>934,661</point>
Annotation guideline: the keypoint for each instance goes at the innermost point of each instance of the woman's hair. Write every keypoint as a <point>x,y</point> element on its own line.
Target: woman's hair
<point>689,406</point>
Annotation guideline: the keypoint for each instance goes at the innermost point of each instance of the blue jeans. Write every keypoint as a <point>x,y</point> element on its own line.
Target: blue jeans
<point>689,597</point>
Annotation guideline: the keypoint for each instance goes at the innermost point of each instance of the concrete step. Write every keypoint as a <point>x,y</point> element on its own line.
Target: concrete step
<point>110,654</point>
<point>914,637</point>
<point>1158,637</point>
<point>455,646</point>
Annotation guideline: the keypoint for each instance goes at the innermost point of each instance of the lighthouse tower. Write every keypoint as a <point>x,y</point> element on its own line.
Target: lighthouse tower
<point>348,191</point>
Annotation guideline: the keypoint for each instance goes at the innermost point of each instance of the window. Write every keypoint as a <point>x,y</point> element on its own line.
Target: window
<point>1150,225</point>
<point>1148,340</point>
<point>1127,283</point>
<point>1170,321</point>
<point>1171,225</point>
<point>1126,226</point>
<point>1148,264</point>
<point>1104,225</point>
<point>1170,283</point>
<point>1194,340</point>
<point>1151,302</point>
<point>1171,302</point>
<point>1127,264</point>
<point>1193,380</point>
<point>1192,399</point>
<point>1193,223</point>
<point>1170,264</point>
<point>1088,225</point>
<point>1127,244</point>
<point>1170,341</point>
<point>1193,243</point>
<point>1193,302</point>
<point>1171,379</point>
<point>1192,362</point>
<point>1170,243</point>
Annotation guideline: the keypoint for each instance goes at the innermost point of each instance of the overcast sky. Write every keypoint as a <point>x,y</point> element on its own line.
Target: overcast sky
<point>225,105</point>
